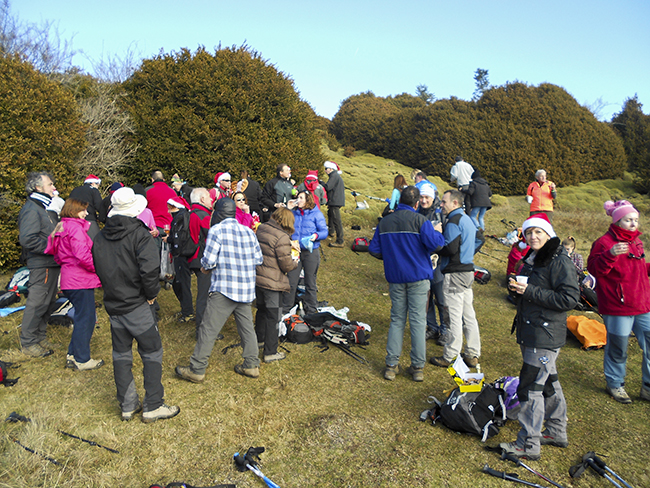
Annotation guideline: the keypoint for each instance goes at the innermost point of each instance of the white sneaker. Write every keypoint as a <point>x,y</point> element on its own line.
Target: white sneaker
<point>88,365</point>
<point>619,394</point>
<point>161,413</point>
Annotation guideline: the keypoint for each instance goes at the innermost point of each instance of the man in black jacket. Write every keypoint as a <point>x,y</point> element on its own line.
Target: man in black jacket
<point>35,224</point>
<point>277,192</point>
<point>89,193</point>
<point>127,263</point>
<point>335,189</point>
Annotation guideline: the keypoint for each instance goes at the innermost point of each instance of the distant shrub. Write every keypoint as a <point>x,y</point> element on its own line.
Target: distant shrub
<point>348,151</point>
<point>40,130</point>
<point>196,114</point>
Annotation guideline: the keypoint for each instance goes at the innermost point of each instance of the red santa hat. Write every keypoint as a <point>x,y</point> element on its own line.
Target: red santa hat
<point>178,202</point>
<point>312,175</point>
<point>93,179</point>
<point>217,176</point>
<point>333,165</point>
<point>540,221</point>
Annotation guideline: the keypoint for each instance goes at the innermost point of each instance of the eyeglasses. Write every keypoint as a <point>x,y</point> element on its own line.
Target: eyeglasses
<point>632,256</point>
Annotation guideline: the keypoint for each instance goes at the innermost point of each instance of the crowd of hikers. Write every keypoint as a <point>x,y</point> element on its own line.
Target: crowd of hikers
<point>244,241</point>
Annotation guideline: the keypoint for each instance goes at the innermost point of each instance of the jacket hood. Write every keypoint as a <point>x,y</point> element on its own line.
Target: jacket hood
<point>225,208</point>
<point>118,226</point>
<point>551,249</point>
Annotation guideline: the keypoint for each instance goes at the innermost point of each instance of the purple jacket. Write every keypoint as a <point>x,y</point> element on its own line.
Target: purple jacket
<point>71,248</point>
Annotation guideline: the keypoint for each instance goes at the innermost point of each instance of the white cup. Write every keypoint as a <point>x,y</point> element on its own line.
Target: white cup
<point>522,279</point>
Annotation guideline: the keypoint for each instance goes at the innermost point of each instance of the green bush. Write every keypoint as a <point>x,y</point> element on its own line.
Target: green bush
<point>509,133</point>
<point>197,114</point>
<point>40,130</point>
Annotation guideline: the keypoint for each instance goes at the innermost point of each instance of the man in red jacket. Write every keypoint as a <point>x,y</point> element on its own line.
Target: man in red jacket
<point>199,227</point>
<point>157,196</point>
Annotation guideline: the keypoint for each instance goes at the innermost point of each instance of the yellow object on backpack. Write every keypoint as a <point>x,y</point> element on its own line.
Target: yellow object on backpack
<point>591,333</point>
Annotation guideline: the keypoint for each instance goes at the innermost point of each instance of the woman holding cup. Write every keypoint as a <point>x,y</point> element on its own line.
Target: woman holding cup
<point>546,288</point>
<point>617,260</point>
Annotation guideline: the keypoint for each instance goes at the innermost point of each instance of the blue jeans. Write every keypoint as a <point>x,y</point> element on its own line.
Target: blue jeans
<point>436,300</point>
<point>83,302</point>
<point>618,334</point>
<point>408,298</point>
<point>478,214</point>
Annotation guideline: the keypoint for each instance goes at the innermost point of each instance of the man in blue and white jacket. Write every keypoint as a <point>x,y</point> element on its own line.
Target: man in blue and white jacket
<point>405,241</point>
<point>457,265</point>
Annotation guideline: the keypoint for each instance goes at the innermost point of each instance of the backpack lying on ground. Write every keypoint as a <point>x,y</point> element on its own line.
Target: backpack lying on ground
<point>298,331</point>
<point>480,413</point>
<point>3,375</point>
<point>352,332</point>
<point>360,244</point>
<point>481,275</point>
<point>16,286</point>
<point>591,333</point>
<point>63,315</point>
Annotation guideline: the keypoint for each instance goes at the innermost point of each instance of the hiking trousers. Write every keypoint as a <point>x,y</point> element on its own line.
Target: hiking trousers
<point>219,308</point>
<point>85,318</point>
<point>139,325</point>
<point>334,224</point>
<point>309,262</point>
<point>459,300</point>
<point>618,336</point>
<point>269,312</point>
<point>182,285</point>
<point>41,302</point>
<point>411,299</point>
<point>541,398</point>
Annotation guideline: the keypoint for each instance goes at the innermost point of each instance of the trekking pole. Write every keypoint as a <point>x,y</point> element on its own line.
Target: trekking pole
<point>518,462</point>
<point>509,477</point>
<point>92,443</point>
<point>592,464</point>
<point>28,449</point>
<point>249,461</point>
<point>601,464</point>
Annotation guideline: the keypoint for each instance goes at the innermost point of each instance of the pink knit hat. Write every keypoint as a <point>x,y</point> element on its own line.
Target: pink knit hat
<point>618,210</point>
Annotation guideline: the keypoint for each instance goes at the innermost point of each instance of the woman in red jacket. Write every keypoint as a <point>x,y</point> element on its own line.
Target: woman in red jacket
<point>71,247</point>
<point>617,260</point>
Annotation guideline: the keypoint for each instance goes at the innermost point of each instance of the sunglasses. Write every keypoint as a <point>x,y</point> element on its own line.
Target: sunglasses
<point>226,180</point>
<point>240,200</point>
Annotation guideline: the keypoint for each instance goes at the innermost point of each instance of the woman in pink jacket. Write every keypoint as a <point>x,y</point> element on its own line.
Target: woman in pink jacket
<point>71,247</point>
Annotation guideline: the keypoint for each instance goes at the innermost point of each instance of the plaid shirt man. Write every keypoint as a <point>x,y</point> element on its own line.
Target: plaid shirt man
<point>232,253</point>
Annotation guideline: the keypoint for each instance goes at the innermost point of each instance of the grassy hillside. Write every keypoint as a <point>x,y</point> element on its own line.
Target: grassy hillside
<point>325,419</point>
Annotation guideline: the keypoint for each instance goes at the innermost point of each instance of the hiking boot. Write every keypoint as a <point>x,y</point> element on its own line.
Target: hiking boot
<point>432,335</point>
<point>336,244</point>
<point>416,373</point>
<point>185,318</point>
<point>127,416</point>
<point>443,338</point>
<point>619,394</point>
<point>69,361</point>
<point>274,357</point>
<point>161,413</point>
<point>250,372</point>
<point>470,362</point>
<point>645,393</point>
<point>514,449</point>
<point>390,372</point>
<point>37,351</point>
<point>186,373</point>
<point>547,439</point>
<point>88,365</point>
<point>440,361</point>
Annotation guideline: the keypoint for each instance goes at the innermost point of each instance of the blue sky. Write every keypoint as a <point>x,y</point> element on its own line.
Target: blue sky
<point>598,49</point>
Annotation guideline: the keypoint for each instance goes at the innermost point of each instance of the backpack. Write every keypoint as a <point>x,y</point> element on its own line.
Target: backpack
<point>64,313</point>
<point>481,275</point>
<point>360,244</point>
<point>298,331</point>
<point>179,237</point>
<point>3,375</point>
<point>19,281</point>
<point>339,330</point>
<point>479,413</point>
<point>509,385</point>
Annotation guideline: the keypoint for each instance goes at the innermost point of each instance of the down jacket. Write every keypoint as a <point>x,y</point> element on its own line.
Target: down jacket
<point>552,291</point>
<point>36,224</point>
<point>309,222</point>
<point>128,264</point>
<point>276,250</point>
<point>71,248</point>
<point>623,286</point>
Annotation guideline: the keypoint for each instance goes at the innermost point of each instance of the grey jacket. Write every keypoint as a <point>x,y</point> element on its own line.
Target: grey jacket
<point>335,189</point>
<point>35,224</point>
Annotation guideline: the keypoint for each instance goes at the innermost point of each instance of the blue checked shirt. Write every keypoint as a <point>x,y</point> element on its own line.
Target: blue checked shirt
<point>232,253</point>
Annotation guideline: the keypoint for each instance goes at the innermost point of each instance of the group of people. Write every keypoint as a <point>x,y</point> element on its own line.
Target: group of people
<point>234,261</point>
<point>546,285</point>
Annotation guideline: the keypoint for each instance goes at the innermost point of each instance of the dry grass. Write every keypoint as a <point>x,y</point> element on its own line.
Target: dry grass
<point>325,419</point>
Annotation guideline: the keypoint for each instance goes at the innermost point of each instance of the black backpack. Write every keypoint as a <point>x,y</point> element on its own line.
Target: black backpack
<point>179,237</point>
<point>474,412</point>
